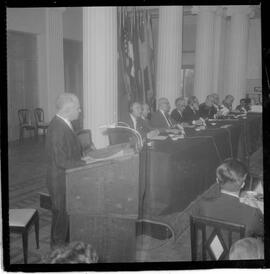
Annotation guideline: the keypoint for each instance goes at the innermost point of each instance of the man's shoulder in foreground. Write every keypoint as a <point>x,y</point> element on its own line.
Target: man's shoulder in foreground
<point>229,208</point>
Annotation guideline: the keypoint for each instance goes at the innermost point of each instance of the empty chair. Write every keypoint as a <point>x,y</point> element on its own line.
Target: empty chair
<point>25,122</point>
<point>39,118</point>
<point>85,138</point>
<point>217,236</point>
<point>20,222</point>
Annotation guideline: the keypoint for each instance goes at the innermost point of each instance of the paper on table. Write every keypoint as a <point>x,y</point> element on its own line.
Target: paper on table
<point>159,137</point>
<point>225,126</point>
<point>89,159</point>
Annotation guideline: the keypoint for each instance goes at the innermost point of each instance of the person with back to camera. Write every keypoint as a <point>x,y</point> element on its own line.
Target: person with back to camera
<point>231,175</point>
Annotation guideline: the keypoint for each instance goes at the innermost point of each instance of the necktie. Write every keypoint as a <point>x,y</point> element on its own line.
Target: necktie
<point>168,120</point>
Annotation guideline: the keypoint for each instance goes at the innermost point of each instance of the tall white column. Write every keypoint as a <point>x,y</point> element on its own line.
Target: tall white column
<point>204,51</point>
<point>99,70</point>
<point>169,58</point>
<point>55,57</point>
<point>238,51</point>
<point>219,51</point>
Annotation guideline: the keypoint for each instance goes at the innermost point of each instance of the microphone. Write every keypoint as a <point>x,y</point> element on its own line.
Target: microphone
<point>128,128</point>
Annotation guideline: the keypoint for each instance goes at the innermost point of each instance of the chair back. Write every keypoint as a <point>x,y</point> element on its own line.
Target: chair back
<point>216,239</point>
<point>85,138</point>
<point>24,116</point>
<point>39,115</point>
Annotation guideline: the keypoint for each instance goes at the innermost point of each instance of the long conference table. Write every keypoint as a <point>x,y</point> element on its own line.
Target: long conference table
<point>175,173</point>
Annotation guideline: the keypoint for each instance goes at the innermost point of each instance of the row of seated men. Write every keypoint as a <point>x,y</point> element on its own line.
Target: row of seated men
<point>63,151</point>
<point>188,112</point>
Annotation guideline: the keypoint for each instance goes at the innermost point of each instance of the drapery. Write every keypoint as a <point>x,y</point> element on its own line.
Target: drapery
<point>136,55</point>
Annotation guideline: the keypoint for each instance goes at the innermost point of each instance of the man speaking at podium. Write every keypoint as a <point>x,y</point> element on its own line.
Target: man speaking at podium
<point>63,151</point>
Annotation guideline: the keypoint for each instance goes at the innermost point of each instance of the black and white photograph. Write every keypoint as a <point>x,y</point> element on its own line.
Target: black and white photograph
<point>134,134</point>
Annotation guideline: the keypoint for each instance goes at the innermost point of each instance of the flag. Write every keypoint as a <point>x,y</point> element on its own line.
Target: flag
<point>146,46</point>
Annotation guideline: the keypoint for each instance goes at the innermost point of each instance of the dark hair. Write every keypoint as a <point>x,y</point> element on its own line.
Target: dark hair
<point>192,99</point>
<point>231,171</point>
<point>179,99</point>
<point>243,100</point>
<point>73,253</point>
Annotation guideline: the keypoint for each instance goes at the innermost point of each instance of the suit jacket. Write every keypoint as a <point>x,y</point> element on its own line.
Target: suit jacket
<point>176,116</point>
<point>141,126</point>
<point>229,208</point>
<point>190,115</point>
<point>206,111</point>
<point>158,121</point>
<point>63,151</point>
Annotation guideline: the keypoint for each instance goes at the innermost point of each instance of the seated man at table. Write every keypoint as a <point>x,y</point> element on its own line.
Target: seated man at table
<point>226,106</point>
<point>162,120</point>
<point>135,121</point>
<point>231,175</point>
<point>191,113</point>
<point>207,109</point>
<point>145,116</point>
<point>177,113</point>
<point>215,97</point>
<point>243,107</point>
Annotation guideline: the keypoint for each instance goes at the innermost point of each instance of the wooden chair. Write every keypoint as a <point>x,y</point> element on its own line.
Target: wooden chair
<point>214,243</point>
<point>39,118</point>
<point>20,222</point>
<point>25,122</point>
<point>85,138</point>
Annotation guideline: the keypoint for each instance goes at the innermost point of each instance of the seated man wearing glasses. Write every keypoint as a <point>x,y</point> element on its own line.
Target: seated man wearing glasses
<point>226,206</point>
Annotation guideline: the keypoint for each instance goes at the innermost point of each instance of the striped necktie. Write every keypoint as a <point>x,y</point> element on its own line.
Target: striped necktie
<point>168,120</point>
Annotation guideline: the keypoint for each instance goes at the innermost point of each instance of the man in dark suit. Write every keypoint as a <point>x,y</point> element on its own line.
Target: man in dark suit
<point>191,113</point>
<point>162,120</point>
<point>135,121</point>
<point>63,151</point>
<point>207,109</point>
<point>177,113</point>
<point>226,205</point>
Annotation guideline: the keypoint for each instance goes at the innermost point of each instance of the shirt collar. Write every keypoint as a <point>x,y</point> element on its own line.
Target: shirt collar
<point>66,121</point>
<point>134,120</point>
<point>229,193</point>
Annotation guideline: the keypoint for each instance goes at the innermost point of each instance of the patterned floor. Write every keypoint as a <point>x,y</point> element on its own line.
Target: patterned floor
<point>27,177</point>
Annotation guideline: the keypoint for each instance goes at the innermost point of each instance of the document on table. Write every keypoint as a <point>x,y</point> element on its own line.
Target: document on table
<point>225,126</point>
<point>88,159</point>
<point>159,137</point>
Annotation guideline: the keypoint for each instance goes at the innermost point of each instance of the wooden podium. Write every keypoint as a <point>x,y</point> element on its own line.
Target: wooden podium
<point>102,200</point>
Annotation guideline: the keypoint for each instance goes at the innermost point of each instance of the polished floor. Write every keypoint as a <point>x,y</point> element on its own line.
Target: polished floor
<point>27,169</point>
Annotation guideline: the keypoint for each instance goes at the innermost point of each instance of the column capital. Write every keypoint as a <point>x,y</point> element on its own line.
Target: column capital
<point>244,9</point>
<point>198,9</point>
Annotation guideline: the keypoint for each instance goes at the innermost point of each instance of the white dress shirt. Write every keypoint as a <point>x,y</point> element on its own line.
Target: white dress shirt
<point>66,121</point>
<point>167,120</point>
<point>134,120</point>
